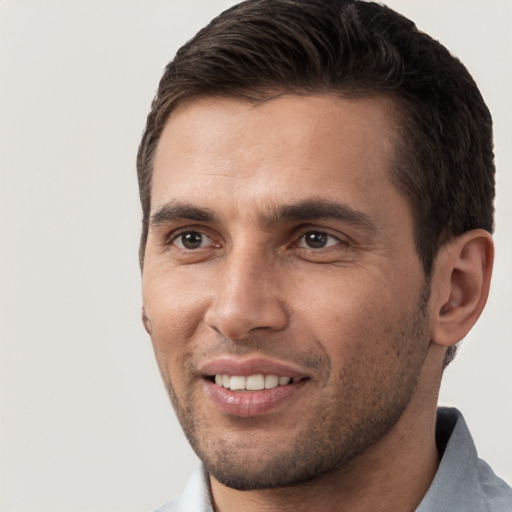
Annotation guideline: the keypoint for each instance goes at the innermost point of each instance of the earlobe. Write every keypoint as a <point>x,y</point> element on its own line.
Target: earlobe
<point>461,278</point>
<point>146,321</point>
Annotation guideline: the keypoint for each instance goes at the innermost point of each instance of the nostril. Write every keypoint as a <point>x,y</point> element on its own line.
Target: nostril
<point>237,322</point>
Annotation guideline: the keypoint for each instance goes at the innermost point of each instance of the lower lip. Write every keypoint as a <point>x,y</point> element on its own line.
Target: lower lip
<point>251,403</point>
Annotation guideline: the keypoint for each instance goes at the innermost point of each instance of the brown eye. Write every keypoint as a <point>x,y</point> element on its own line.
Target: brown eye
<point>191,240</point>
<point>317,240</point>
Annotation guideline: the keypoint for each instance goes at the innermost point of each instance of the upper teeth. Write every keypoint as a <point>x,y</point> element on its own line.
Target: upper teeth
<point>251,383</point>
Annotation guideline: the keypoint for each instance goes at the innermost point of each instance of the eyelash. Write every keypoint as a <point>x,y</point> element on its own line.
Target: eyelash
<point>323,233</point>
<point>175,236</point>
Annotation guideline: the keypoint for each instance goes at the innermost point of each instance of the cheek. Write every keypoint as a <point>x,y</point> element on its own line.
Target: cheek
<point>336,304</point>
<point>173,302</point>
<point>351,318</point>
<point>175,311</point>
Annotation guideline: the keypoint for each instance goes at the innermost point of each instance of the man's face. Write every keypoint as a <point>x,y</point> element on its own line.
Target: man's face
<point>280,260</point>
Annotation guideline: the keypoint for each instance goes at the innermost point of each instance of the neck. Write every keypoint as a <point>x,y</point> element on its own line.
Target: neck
<point>392,475</point>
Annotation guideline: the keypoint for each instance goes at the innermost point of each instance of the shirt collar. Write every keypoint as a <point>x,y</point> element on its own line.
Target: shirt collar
<point>462,482</point>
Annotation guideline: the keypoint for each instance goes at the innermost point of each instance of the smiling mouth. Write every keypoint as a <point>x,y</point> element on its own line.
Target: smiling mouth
<point>258,382</point>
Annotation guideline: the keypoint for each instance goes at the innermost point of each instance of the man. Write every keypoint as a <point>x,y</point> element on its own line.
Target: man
<point>317,184</point>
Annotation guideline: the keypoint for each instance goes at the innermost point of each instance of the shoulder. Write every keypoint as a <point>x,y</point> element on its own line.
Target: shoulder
<point>463,482</point>
<point>495,492</point>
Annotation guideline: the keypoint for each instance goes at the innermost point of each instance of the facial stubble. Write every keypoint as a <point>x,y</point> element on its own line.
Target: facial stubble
<point>351,417</point>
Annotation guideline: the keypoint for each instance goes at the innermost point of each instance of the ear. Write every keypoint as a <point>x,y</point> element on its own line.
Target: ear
<point>146,321</point>
<point>460,285</point>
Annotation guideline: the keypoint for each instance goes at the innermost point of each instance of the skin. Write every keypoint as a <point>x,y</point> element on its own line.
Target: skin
<point>300,252</point>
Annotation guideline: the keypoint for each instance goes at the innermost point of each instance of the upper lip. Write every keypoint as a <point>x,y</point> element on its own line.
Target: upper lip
<point>227,365</point>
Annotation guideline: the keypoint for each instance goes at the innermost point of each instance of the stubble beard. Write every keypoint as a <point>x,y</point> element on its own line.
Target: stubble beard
<point>342,427</point>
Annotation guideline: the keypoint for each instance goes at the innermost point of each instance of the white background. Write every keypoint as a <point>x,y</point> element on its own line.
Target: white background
<point>85,422</point>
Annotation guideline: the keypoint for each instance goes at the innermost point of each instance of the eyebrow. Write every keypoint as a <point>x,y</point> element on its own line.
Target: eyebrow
<point>316,210</point>
<point>174,211</point>
<point>301,211</point>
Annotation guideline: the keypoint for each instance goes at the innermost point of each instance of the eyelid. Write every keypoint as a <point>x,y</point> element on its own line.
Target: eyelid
<point>175,234</point>
<point>302,243</point>
<point>177,240</point>
<point>342,238</point>
<point>170,238</point>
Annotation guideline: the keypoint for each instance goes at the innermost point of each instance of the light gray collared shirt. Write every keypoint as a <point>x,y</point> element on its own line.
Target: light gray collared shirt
<point>463,482</point>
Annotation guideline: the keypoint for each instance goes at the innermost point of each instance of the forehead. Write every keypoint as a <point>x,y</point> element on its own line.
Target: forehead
<point>290,147</point>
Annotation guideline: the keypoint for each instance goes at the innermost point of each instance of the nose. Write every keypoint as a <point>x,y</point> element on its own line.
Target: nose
<point>247,298</point>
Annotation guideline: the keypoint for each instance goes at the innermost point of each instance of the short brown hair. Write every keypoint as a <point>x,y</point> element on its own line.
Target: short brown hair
<point>445,161</point>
